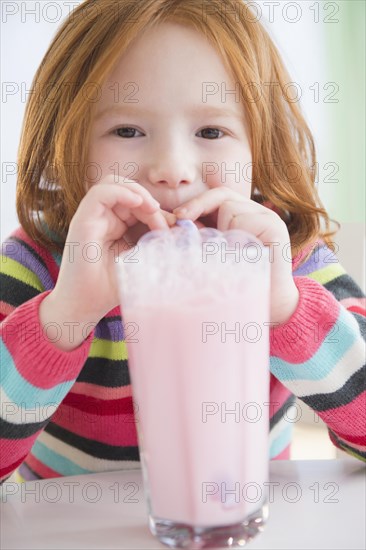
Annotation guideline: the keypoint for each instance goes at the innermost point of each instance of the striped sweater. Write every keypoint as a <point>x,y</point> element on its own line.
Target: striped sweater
<point>69,413</point>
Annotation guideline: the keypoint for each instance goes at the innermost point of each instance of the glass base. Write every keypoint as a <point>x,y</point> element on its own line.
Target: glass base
<point>181,535</point>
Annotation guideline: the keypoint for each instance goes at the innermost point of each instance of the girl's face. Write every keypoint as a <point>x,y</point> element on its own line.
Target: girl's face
<point>169,117</point>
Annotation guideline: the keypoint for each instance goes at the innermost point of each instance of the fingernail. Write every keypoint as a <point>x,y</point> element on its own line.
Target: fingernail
<point>180,211</point>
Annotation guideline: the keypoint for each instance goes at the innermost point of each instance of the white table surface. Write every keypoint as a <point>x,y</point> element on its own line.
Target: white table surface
<point>317,504</point>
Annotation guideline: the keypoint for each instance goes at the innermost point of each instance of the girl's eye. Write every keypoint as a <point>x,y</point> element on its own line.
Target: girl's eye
<point>211,132</point>
<point>128,132</point>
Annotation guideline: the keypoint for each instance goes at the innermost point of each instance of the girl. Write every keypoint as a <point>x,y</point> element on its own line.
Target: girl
<point>143,113</point>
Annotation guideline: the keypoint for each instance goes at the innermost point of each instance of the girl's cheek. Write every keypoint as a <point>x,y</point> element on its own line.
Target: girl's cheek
<point>214,181</point>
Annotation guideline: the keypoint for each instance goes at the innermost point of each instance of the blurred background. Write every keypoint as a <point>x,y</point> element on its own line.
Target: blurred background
<point>323,46</point>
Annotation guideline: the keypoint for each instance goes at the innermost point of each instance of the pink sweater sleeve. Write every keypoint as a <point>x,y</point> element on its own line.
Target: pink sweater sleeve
<point>319,354</point>
<point>35,378</point>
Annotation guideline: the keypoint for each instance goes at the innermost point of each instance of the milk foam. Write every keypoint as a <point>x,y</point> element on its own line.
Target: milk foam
<point>183,263</point>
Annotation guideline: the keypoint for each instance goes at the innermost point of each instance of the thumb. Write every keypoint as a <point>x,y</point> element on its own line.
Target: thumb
<point>170,218</point>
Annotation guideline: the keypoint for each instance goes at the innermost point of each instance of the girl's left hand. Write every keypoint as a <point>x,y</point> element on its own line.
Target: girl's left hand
<point>234,211</point>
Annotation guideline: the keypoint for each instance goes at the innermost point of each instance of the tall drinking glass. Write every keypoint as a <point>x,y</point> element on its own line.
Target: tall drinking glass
<point>199,368</point>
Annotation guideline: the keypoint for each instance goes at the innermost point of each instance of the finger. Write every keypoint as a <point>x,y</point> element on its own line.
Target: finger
<point>149,203</point>
<point>263,224</point>
<point>111,195</point>
<point>155,220</point>
<point>207,202</point>
<point>128,217</point>
<point>226,214</point>
<point>170,218</point>
<point>231,209</point>
<point>125,214</point>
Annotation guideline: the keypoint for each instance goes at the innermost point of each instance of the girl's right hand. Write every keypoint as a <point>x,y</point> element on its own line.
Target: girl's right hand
<point>87,288</point>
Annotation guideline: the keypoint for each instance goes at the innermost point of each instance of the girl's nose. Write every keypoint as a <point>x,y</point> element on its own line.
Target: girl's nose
<point>173,182</point>
<point>171,170</point>
<point>172,177</point>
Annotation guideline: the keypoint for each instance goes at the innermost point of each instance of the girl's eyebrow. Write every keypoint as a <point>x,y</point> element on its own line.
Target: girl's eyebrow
<point>208,110</point>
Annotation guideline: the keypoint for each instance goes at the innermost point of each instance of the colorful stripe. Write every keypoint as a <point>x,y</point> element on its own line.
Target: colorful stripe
<point>341,339</point>
<point>22,393</point>
<point>70,413</point>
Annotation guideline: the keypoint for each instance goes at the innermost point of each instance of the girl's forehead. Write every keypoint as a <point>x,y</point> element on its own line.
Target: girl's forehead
<point>171,69</point>
<point>170,49</point>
